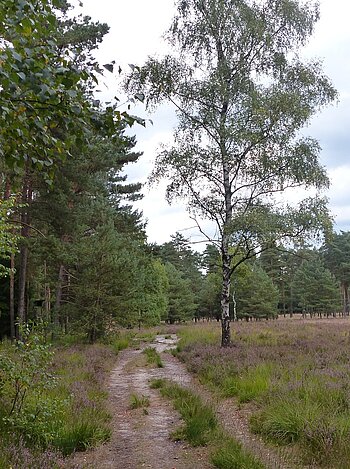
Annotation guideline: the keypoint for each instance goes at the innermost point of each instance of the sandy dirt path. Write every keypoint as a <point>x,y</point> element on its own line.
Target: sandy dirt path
<point>141,439</point>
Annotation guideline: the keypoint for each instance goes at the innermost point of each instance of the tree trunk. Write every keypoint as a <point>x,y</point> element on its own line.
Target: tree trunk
<point>26,199</point>
<point>225,297</point>
<point>21,311</point>
<point>12,297</point>
<point>234,305</point>
<point>346,299</point>
<point>7,195</point>
<point>47,298</point>
<point>58,301</point>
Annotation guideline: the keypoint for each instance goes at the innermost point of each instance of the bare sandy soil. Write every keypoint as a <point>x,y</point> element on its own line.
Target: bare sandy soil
<point>142,438</point>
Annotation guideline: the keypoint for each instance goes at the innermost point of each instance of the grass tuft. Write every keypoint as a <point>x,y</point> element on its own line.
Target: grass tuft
<point>153,357</point>
<point>199,419</point>
<point>156,383</point>
<point>81,435</point>
<point>139,402</point>
<point>201,428</point>
<point>231,455</point>
<point>250,385</point>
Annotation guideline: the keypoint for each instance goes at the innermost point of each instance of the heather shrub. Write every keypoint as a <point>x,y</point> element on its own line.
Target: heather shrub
<point>296,372</point>
<point>14,453</point>
<point>82,371</point>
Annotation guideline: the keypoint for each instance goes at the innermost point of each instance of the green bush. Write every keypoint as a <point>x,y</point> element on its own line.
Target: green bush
<point>26,385</point>
<point>51,401</point>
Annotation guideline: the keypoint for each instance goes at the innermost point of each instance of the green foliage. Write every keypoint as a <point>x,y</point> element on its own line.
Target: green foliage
<point>25,383</point>
<point>231,455</point>
<point>209,296</point>
<point>40,90</point>
<point>316,288</point>
<point>138,402</point>
<point>45,84</point>
<point>153,357</point>
<point>9,237</point>
<point>186,263</point>
<point>181,303</point>
<point>251,385</point>
<point>256,294</point>
<point>200,419</point>
<point>336,254</point>
<point>66,412</point>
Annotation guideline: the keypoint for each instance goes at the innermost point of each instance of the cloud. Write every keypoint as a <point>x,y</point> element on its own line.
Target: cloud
<point>136,30</point>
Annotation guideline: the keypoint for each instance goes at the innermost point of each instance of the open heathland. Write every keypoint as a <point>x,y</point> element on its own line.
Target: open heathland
<point>292,375</point>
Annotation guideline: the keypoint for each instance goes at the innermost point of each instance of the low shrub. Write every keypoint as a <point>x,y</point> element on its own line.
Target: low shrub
<point>50,401</point>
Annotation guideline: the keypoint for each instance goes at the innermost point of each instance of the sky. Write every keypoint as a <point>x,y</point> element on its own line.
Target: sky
<point>136,29</point>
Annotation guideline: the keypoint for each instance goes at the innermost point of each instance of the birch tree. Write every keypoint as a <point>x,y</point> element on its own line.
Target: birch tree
<point>242,94</point>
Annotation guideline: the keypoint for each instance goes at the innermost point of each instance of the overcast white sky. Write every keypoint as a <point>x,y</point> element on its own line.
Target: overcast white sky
<point>136,29</point>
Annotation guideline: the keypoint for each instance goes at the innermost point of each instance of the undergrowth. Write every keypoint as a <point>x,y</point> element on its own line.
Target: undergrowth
<point>201,428</point>
<point>52,400</point>
<point>296,374</point>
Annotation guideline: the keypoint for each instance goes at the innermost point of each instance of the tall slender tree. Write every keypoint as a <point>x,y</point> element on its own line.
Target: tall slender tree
<point>242,94</point>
